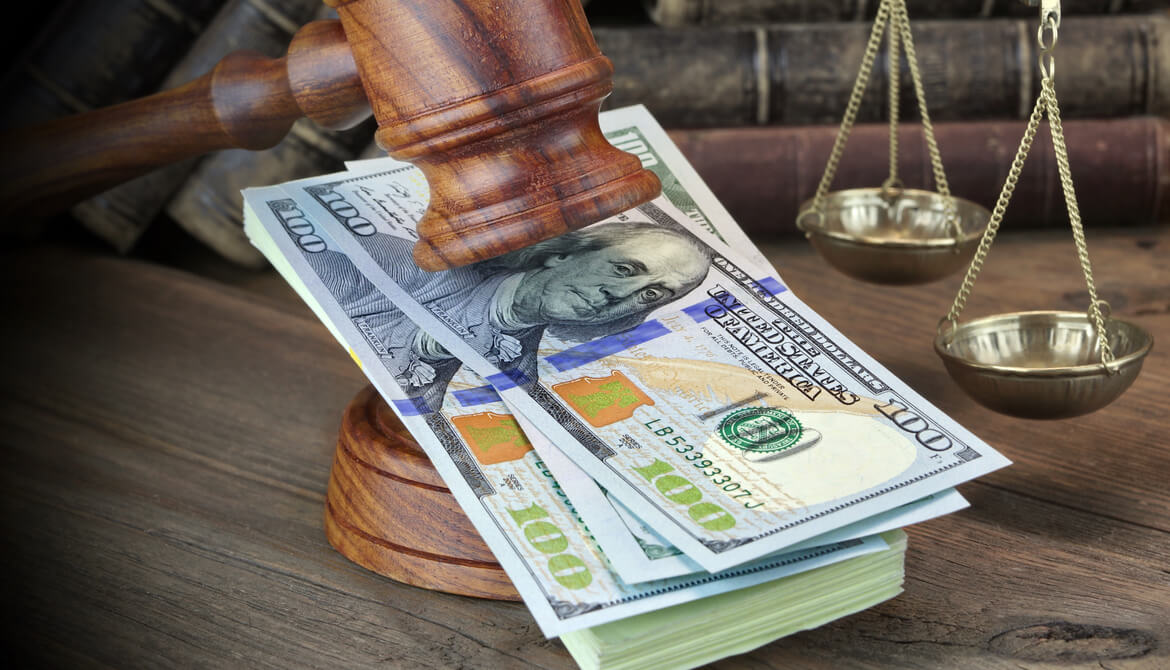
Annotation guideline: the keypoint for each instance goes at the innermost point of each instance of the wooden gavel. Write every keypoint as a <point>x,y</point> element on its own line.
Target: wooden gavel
<point>496,101</point>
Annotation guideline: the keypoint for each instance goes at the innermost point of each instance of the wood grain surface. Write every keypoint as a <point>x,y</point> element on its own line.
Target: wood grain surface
<point>165,444</point>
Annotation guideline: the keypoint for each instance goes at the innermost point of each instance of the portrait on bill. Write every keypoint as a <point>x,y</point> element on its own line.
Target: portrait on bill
<point>578,287</point>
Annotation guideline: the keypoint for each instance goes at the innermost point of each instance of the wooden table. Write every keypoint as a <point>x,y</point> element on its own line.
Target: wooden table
<point>166,442</point>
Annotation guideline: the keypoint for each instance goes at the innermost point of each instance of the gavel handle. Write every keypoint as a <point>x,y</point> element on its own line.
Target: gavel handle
<point>247,101</point>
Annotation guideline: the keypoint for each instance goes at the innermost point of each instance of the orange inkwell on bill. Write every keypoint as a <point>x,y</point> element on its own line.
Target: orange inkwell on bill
<point>493,438</point>
<point>603,400</point>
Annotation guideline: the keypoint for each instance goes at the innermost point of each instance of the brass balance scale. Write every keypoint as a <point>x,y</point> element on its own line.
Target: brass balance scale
<point>1039,365</point>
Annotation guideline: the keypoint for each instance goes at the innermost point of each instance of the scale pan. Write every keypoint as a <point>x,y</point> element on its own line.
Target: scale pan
<point>900,237</point>
<point>1042,365</point>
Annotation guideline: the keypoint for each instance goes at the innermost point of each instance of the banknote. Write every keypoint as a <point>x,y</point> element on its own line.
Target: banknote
<point>503,485</point>
<point>634,550</point>
<point>687,381</point>
<point>638,553</point>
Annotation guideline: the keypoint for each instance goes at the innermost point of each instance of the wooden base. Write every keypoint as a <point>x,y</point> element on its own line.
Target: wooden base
<point>388,511</point>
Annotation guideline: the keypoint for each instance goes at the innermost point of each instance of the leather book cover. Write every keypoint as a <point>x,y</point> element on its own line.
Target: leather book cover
<point>676,13</point>
<point>1108,66</point>
<point>1121,168</point>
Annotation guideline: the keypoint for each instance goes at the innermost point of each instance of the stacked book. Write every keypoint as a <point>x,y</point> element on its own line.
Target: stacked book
<point>751,90</point>
<point>756,88</point>
<point>671,455</point>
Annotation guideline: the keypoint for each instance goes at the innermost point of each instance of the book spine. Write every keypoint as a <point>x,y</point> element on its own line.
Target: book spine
<point>803,73</point>
<point>122,214</point>
<point>1121,168</point>
<point>677,13</point>
<point>94,54</point>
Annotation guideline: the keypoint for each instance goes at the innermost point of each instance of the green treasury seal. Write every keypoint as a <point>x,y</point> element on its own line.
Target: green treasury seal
<point>761,429</point>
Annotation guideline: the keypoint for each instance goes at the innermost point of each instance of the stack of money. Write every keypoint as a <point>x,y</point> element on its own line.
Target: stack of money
<point>701,631</point>
<point>672,456</point>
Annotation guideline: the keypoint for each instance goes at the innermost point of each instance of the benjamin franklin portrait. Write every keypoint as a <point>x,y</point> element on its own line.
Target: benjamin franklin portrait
<point>577,287</point>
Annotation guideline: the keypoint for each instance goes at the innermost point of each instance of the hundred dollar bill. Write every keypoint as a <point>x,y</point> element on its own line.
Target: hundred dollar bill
<point>634,550</point>
<point>692,386</point>
<point>478,448</point>
<point>645,555</point>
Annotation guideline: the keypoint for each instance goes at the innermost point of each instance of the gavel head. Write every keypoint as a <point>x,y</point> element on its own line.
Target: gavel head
<point>496,101</point>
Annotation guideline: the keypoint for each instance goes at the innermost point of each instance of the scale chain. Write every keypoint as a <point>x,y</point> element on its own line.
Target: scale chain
<point>1005,196</point>
<point>867,60</point>
<point>902,21</point>
<point>1047,36</point>
<point>893,65</point>
<point>1074,215</point>
<point>891,14</point>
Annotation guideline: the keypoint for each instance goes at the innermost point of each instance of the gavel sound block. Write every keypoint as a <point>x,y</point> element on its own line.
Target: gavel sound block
<point>496,101</point>
<point>389,511</point>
